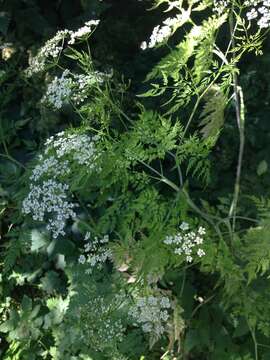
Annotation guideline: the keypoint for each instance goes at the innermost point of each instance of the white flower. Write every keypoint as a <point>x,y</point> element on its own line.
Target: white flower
<point>200,253</point>
<point>143,45</point>
<point>258,10</point>
<point>220,6</point>
<point>186,243</point>
<point>165,302</point>
<point>52,49</point>
<point>82,259</point>
<point>50,167</point>
<point>184,226</point>
<point>252,14</point>
<point>201,230</point>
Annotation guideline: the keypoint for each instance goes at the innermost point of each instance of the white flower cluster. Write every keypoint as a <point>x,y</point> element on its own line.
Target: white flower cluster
<point>103,328</point>
<point>54,46</point>
<point>81,147</point>
<point>47,200</point>
<point>82,84</point>
<point>70,87</point>
<point>162,33</point>
<point>51,50</point>
<point>187,242</point>
<point>51,167</point>
<point>58,91</point>
<point>220,6</point>
<point>96,252</point>
<point>151,313</point>
<point>87,29</point>
<point>259,11</point>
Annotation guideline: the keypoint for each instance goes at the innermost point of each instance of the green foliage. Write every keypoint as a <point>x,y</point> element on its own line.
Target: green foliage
<point>148,178</point>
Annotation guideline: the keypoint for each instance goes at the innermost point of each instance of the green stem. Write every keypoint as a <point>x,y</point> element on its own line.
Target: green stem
<point>10,158</point>
<point>240,118</point>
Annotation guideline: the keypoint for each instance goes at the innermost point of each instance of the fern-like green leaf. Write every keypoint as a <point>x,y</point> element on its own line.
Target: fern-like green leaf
<point>213,113</point>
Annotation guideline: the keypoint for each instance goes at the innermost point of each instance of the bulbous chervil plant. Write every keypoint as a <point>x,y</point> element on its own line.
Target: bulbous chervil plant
<point>117,247</point>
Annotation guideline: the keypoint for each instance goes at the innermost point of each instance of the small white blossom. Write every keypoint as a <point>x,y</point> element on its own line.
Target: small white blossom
<point>200,253</point>
<point>186,242</point>
<point>82,259</point>
<point>98,324</point>
<point>220,6</point>
<point>184,226</point>
<point>252,14</point>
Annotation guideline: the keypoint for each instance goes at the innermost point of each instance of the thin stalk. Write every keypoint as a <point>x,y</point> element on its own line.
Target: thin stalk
<point>253,335</point>
<point>240,118</point>
<point>10,158</point>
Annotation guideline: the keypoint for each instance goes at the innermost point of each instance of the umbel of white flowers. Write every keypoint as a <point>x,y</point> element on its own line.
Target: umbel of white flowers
<point>71,87</point>
<point>255,10</point>
<point>162,33</point>
<point>187,243</point>
<point>54,46</point>
<point>96,252</point>
<point>48,199</point>
<point>151,313</point>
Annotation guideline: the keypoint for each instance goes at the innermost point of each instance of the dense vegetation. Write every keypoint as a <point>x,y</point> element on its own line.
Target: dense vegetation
<point>134,180</point>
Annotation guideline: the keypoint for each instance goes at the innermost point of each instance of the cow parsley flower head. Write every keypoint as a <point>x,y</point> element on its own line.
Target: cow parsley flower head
<point>96,252</point>
<point>48,200</point>
<point>52,49</point>
<point>80,147</point>
<point>259,11</point>
<point>256,10</point>
<point>70,87</point>
<point>151,313</point>
<point>49,167</point>
<point>162,33</point>
<point>49,52</point>
<point>84,31</point>
<point>58,91</point>
<point>100,323</point>
<point>187,243</point>
<point>221,6</point>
